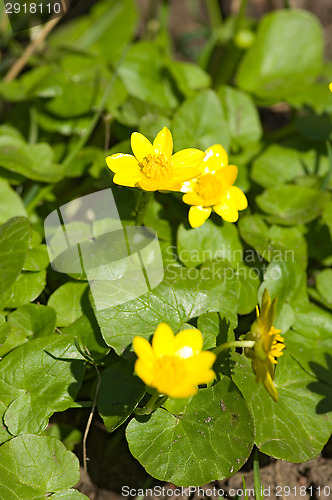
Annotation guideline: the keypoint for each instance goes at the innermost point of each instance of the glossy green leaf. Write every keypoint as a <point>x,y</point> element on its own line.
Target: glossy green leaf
<point>310,342</point>
<point>210,325</point>
<point>185,294</point>
<point>189,77</point>
<point>154,217</point>
<point>242,116</point>
<point>200,122</point>
<point>274,66</point>
<point>105,31</point>
<point>294,429</point>
<point>40,377</point>
<point>324,285</point>
<point>278,165</point>
<point>37,258</point>
<point>216,330</point>
<point>4,434</point>
<point>14,243</point>
<point>250,282</point>
<point>7,340</point>
<point>289,204</point>
<point>68,301</point>
<point>34,161</point>
<point>286,280</point>
<point>211,439</point>
<point>317,97</point>
<point>120,392</point>
<point>87,332</point>
<point>287,243</point>
<point>11,204</point>
<point>209,242</point>
<point>32,320</point>
<point>27,288</point>
<point>35,467</point>
<point>64,126</point>
<point>141,74</point>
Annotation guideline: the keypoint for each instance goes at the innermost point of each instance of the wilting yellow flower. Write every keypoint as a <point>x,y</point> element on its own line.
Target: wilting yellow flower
<point>268,344</point>
<point>153,166</point>
<point>175,364</point>
<point>214,190</point>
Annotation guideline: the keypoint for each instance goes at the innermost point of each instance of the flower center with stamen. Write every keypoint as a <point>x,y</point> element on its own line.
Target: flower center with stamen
<point>155,166</point>
<point>210,189</point>
<point>169,371</point>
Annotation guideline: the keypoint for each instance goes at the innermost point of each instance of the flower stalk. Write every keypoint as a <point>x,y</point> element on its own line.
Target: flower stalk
<point>143,201</point>
<point>234,343</point>
<point>150,405</point>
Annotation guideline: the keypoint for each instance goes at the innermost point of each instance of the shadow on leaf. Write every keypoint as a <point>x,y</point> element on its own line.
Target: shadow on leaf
<point>323,384</point>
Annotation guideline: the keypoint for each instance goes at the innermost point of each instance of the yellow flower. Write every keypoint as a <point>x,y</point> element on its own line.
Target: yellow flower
<point>330,86</point>
<point>153,166</point>
<point>174,365</point>
<point>268,345</point>
<point>214,190</point>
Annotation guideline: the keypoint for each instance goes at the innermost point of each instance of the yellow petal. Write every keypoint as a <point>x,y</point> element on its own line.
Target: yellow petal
<point>238,197</point>
<point>158,185</point>
<point>127,177</point>
<point>141,146</point>
<point>330,86</point>
<point>192,199</point>
<point>182,391</point>
<point>215,159</point>
<point>228,175</point>
<point>145,372</point>
<point>270,387</point>
<point>188,343</point>
<point>163,341</point>
<point>203,377</point>
<point>143,350</point>
<point>198,215</point>
<point>187,186</point>
<point>182,174</point>
<point>189,158</point>
<point>200,363</point>
<point>163,143</point>
<point>119,161</point>
<point>227,211</point>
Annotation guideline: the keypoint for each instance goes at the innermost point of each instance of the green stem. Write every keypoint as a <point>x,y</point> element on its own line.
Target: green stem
<point>150,405</point>
<point>257,477</point>
<point>233,343</point>
<point>240,16</point>
<point>40,195</point>
<point>143,201</point>
<point>33,132</point>
<point>214,13</point>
